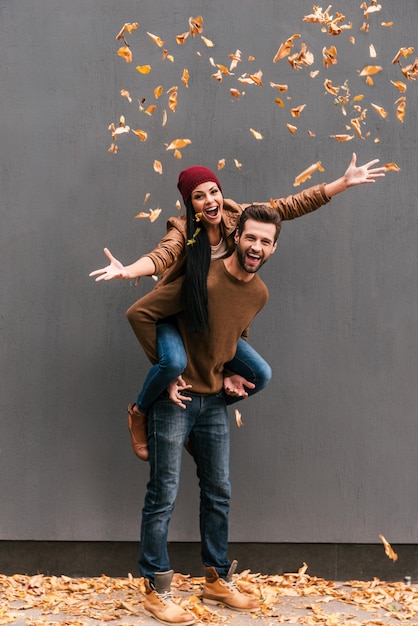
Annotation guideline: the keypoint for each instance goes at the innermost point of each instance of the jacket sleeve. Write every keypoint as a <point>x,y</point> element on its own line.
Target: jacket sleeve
<point>301,203</point>
<point>144,314</point>
<point>171,246</point>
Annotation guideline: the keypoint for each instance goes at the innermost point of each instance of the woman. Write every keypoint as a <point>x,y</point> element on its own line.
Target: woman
<point>206,232</point>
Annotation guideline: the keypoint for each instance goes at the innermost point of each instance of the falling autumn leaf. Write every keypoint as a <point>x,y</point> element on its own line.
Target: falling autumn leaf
<point>388,549</point>
<point>256,134</point>
<point>207,42</point>
<point>235,93</point>
<point>306,174</point>
<point>125,53</point>
<point>147,197</point>
<point>158,92</point>
<point>238,165</point>
<point>156,39</point>
<point>195,25</point>
<point>113,148</point>
<point>292,128</point>
<point>185,77</point>
<point>296,111</point>
<point>221,164</point>
<point>158,167</point>
<point>285,48</point>
<point>143,69</point>
<point>391,167</point>
<point>126,28</point>
<point>369,70</point>
<point>342,138</point>
<point>379,110</point>
<point>141,134</point>
<point>152,215</point>
<point>329,56</point>
<point>177,144</point>
<point>125,94</point>
<point>238,418</point>
<point>172,101</point>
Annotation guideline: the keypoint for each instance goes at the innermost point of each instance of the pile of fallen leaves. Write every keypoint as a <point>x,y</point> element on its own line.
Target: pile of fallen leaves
<point>65,600</point>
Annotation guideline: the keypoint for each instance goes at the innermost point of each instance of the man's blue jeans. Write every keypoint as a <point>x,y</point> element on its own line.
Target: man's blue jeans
<point>172,361</point>
<point>205,422</point>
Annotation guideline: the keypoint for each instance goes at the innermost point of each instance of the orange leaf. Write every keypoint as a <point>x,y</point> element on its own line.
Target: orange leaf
<point>235,93</point>
<point>158,167</point>
<point>303,176</point>
<point>185,77</point>
<point>176,144</point>
<point>292,128</point>
<point>158,92</point>
<point>172,101</point>
<point>238,418</point>
<point>125,53</point>
<point>141,134</point>
<point>195,25</point>
<point>379,110</point>
<point>342,138</point>
<point>207,42</point>
<point>285,48</point>
<point>256,134</point>
<point>125,94</point>
<point>391,167</point>
<point>156,39</point>
<point>369,70</point>
<point>297,110</point>
<point>143,69</point>
<point>389,551</point>
<point>221,164</point>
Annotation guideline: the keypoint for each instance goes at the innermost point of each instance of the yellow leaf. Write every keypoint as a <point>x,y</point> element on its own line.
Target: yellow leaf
<point>143,69</point>
<point>125,53</point>
<point>389,551</point>
<point>195,25</point>
<point>256,134</point>
<point>181,38</point>
<point>158,167</point>
<point>238,165</point>
<point>185,77</point>
<point>297,110</point>
<point>303,176</point>
<point>386,24</point>
<point>158,92</point>
<point>342,138</point>
<point>281,88</point>
<point>156,39</point>
<point>178,205</point>
<point>164,122</point>
<point>178,143</point>
<point>177,154</point>
<point>369,70</point>
<point>285,48</point>
<point>238,418</point>
<point>172,101</point>
<point>126,28</point>
<point>152,215</point>
<point>207,42</point>
<point>125,94</point>
<point>399,85</point>
<point>379,110</point>
<point>391,167</point>
<point>141,134</point>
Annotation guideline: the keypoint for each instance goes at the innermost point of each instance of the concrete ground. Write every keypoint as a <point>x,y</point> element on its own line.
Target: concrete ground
<point>293,599</point>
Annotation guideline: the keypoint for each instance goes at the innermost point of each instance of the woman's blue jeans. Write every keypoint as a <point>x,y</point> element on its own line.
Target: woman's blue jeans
<point>205,422</point>
<point>173,360</point>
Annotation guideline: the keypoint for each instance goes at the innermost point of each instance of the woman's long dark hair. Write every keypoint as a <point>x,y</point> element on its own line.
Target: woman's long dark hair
<point>195,290</point>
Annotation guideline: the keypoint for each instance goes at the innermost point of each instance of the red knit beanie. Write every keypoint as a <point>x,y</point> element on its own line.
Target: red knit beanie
<point>194,176</point>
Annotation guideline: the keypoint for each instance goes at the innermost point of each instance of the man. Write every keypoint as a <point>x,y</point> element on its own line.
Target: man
<point>235,295</point>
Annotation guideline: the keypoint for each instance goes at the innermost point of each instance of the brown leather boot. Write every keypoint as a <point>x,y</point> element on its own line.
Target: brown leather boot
<point>158,602</point>
<point>220,591</point>
<point>137,424</point>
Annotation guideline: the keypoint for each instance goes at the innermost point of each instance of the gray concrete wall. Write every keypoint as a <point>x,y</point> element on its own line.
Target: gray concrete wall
<point>328,452</point>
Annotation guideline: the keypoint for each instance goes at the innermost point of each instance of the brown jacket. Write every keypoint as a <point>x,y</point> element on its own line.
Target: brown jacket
<point>169,255</point>
<point>232,304</point>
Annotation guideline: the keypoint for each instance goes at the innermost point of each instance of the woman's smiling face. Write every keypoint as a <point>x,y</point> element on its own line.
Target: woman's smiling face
<point>207,201</point>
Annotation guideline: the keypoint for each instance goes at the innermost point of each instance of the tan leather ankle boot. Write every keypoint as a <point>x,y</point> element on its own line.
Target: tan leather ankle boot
<point>137,424</point>
<point>217,590</point>
<point>159,604</point>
